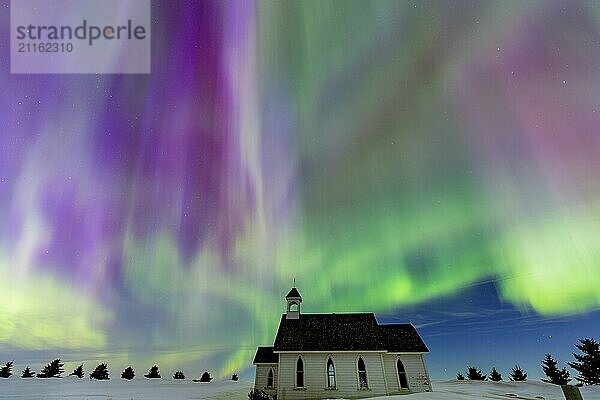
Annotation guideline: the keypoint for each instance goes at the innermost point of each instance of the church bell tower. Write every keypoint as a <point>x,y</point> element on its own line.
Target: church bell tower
<point>293,299</point>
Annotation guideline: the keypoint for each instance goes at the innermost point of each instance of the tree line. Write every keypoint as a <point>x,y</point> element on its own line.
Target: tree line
<point>516,375</point>
<point>587,365</point>
<point>55,370</point>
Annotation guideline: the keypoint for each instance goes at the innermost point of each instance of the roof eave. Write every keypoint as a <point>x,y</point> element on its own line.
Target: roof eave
<point>328,351</point>
<point>408,352</point>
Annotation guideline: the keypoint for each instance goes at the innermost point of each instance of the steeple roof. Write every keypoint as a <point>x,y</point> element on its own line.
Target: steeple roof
<point>293,294</point>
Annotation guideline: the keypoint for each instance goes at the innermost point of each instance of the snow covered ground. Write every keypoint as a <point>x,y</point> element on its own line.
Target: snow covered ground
<point>469,390</point>
<point>71,388</point>
<point>162,389</point>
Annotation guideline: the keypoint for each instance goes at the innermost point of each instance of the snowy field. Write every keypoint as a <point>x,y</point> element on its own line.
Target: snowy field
<point>162,389</point>
<point>71,388</point>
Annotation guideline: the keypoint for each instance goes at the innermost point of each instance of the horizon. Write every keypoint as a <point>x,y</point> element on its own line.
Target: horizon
<point>433,331</point>
<point>430,162</point>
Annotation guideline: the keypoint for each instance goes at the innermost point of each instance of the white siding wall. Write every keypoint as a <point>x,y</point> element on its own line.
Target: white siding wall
<point>260,380</point>
<point>315,376</point>
<point>416,373</point>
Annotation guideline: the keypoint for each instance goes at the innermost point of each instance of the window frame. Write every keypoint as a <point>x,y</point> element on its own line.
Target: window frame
<point>329,361</point>
<point>399,362</point>
<point>358,373</point>
<point>271,376</point>
<point>300,360</point>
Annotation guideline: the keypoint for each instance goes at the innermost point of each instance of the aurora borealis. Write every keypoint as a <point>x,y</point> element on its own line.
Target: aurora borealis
<point>388,155</point>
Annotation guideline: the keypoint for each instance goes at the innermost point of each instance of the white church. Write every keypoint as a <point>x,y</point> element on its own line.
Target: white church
<point>317,356</point>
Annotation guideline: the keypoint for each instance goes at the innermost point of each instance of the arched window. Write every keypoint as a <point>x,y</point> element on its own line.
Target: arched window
<point>330,374</point>
<point>270,378</point>
<point>362,374</point>
<point>401,375</point>
<point>293,306</point>
<point>300,373</point>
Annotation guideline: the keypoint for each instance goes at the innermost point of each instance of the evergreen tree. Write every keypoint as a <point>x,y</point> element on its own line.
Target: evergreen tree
<point>495,376</point>
<point>460,377</point>
<point>205,377</point>
<point>475,375</point>
<point>588,362</point>
<point>234,377</point>
<point>52,370</point>
<point>557,376</point>
<point>27,373</point>
<point>517,374</point>
<point>78,372</point>
<point>179,375</point>
<point>6,371</point>
<point>153,373</point>
<point>128,373</point>
<point>100,373</point>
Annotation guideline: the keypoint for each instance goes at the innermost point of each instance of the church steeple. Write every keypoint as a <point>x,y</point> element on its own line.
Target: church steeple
<point>293,299</point>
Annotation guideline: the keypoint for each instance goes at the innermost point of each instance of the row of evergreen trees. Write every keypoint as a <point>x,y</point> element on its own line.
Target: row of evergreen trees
<point>55,370</point>
<point>587,364</point>
<point>517,375</point>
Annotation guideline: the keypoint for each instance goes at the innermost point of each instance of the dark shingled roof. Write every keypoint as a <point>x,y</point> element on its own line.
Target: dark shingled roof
<point>345,332</point>
<point>399,338</point>
<point>265,355</point>
<point>293,293</point>
<point>330,332</point>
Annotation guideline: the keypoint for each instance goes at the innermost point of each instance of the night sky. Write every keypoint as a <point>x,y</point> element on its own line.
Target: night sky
<point>434,161</point>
